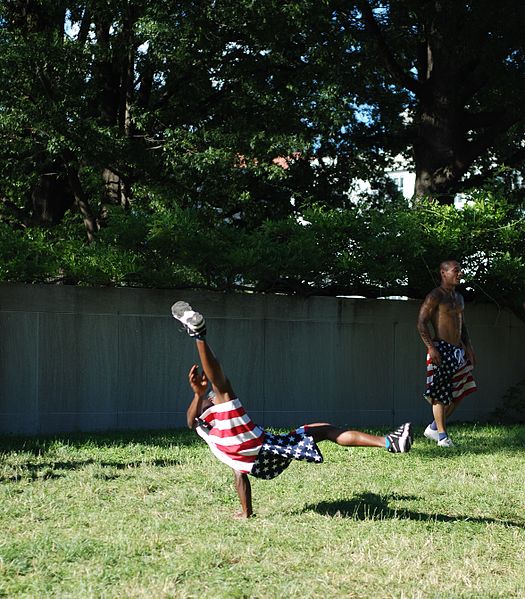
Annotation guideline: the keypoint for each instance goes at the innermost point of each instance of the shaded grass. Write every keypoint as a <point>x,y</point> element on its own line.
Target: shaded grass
<point>149,515</point>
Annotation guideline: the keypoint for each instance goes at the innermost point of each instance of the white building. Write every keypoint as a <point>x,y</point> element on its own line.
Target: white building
<point>403,178</point>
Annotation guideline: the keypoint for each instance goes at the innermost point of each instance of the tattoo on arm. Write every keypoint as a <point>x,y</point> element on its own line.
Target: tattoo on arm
<point>425,336</point>
<point>425,315</point>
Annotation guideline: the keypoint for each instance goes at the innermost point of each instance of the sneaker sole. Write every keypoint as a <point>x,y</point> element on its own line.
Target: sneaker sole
<point>446,445</point>
<point>403,442</point>
<point>185,314</point>
<point>406,440</point>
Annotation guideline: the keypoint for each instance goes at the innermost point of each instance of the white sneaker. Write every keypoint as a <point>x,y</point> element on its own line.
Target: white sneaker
<point>401,439</point>
<point>193,322</point>
<point>431,434</point>
<point>446,442</point>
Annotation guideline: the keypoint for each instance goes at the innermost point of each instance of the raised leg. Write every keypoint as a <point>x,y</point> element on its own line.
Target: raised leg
<point>213,369</point>
<point>195,325</point>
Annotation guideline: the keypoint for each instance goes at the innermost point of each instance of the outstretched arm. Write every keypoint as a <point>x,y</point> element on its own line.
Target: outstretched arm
<point>199,384</point>
<point>425,316</point>
<point>244,491</point>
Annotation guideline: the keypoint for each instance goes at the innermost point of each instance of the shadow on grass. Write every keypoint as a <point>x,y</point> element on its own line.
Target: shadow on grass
<point>38,453</point>
<point>33,471</point>
<point>471,438</point>
<point>369,506</point>
<point>38,445</point>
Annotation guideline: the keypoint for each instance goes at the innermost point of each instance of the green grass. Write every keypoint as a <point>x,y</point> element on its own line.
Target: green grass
<point>149,515</point>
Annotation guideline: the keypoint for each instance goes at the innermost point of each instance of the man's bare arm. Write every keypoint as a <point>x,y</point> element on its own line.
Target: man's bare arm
<point>244,491</point>
<point>198,405</point>
<point>199,384</point>
<point>426,312</point>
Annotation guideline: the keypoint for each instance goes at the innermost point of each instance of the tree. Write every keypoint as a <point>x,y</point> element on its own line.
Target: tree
<point>463,66</point>
<point>130,94</point>
<point>193,137</point>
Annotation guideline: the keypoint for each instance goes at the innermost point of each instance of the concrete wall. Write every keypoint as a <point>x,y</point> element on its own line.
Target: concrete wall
<point>84,359</point>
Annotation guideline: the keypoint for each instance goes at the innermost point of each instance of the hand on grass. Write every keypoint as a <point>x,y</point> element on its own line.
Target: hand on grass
<point>242,516</point>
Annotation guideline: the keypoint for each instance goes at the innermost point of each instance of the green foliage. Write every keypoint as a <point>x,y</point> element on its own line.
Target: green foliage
<point>233,132</point>
<point>361,250</point>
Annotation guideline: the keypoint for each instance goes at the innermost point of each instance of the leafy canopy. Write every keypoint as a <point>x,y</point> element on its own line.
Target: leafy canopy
<point>214,144</point>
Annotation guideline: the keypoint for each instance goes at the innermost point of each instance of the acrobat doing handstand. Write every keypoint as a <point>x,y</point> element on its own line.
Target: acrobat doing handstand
<point>220,419</point>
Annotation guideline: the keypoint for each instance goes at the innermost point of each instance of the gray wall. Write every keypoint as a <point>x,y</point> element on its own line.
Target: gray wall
<point>84,359</point>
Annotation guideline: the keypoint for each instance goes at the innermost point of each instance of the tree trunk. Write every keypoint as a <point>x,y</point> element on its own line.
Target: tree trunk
<point>127,88</point>
<point>106,74</point>
<point>116,189</point>
<point>82,203</point>
<point>115,73</point>
<point>51,197</point>
<point>449,136</point>
<point>438,168</point>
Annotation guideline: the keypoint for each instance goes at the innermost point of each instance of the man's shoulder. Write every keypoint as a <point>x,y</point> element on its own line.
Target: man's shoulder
<point>436,291</point>
<point>436,295</point>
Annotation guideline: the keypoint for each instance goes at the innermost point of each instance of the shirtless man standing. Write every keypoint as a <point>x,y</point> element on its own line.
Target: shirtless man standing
<point>450,357</point>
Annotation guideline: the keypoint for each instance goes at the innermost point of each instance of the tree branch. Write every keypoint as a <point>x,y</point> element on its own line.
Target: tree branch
<point>19,214</point>
<point>515,160</point>
<point>477,147</point>
<point>393,67</point>
<point>85,25</point>
<point>82,202</point>
<point>478,120</point>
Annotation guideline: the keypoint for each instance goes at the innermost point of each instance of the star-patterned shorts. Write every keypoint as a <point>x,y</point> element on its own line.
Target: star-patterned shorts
<point>439,383</point>
<point>278,451</point>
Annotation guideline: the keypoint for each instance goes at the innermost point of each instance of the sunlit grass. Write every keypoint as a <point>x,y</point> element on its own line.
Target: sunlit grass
<point>149,515</point>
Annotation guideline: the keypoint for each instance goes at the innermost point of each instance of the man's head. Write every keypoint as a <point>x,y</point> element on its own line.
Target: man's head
<point>451,272</point>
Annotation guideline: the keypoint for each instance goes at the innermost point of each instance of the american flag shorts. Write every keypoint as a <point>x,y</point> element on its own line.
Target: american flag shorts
<point>451,381</point>
<point>278,451</point>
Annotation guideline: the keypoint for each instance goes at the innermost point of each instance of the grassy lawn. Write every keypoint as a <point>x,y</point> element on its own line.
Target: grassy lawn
<point>149,515</point>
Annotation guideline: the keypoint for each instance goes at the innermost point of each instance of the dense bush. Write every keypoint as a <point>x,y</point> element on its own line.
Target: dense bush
<point>361,250</point>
